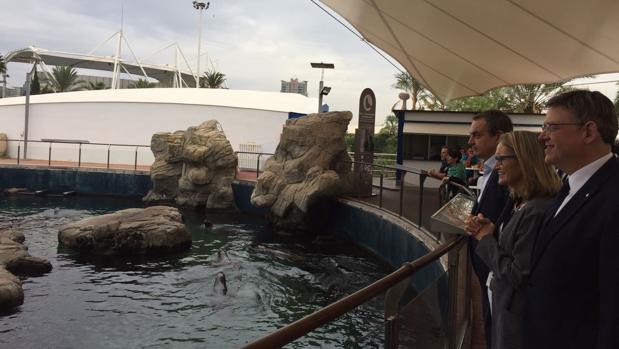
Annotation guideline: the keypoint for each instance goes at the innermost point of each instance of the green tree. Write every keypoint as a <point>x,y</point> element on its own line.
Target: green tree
<point>529,98</point>
<point>142,83</point>
<point>65,80</point>
<point>349,138</point>
<point>2,65</point>
<point>419,94</point>
<point>99,85</point>
<point>35,86</point>
<point>213,79</point>
<point>386,140</point>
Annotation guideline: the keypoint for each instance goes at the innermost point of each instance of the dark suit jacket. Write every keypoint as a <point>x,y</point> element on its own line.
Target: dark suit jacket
<point>509,259</point>
<point>572,298</point>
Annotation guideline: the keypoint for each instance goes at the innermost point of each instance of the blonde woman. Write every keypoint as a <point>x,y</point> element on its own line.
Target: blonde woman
<point>506,246</point>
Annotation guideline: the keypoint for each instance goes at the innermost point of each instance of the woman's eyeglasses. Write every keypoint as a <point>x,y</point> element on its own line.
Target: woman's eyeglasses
<point>500,158</point>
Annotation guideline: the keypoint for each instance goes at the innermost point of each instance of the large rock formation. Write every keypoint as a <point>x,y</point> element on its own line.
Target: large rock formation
<point>194,167</point>
<point>132,231</point>
<point>310,164</point>
<point>15,260</point>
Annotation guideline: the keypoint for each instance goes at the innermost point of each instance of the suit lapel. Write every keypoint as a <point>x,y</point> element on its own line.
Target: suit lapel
<point>552,225</point>
<point>489,186</point>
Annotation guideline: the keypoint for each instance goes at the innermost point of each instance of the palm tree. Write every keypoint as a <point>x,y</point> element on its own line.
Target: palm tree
<point>2,65</point>
<point>531,98</point>
<point>65,80</point>
<point>99,85</point>
<point>420,96</point>
<point>142,83</point>
<point>213,79</point>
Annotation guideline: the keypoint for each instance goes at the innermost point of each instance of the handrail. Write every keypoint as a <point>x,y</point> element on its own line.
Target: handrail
<point>310,322</point>
<point>80,142</point>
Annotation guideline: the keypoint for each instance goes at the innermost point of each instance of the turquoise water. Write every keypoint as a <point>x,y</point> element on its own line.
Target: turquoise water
<point>170,302</point>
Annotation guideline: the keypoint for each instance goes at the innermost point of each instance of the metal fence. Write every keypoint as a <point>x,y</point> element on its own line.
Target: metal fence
<point>70,153</point>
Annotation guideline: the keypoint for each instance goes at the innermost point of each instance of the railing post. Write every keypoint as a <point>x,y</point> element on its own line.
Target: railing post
<point>18,151</point>
<point>392,332</point>
<point>452,284</point>
<point>135,165</point>
<point>422,180</point>
<point>380,191</point>
<point>49,158</point>
<point>402,192</point>
<point>79,157</point>
<point>108,155</point>
<point>258,166</point>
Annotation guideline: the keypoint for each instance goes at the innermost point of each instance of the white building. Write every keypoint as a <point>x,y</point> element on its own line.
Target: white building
<point>132,116</point>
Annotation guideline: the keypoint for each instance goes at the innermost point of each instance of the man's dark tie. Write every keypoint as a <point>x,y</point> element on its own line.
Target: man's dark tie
<point>552,209</point>
<point>544,235</point>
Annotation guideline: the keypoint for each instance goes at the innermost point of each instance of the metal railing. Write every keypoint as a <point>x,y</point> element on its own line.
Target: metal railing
<point>395,284</point>
<point>257,161</point>
<point>80,145</point>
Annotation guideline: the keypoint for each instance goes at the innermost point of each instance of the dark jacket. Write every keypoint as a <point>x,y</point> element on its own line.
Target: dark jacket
<point>572,297</point>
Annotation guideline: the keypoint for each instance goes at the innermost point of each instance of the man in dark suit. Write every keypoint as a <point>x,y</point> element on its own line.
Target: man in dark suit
<point>486,128</point>
<point>572,297</point>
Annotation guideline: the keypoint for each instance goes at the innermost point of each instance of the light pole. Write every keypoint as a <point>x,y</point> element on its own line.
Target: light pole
<point>322,90</point>
<point>199,6</point>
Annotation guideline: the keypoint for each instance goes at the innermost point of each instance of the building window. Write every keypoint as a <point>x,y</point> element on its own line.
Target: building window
<point>436,143</point>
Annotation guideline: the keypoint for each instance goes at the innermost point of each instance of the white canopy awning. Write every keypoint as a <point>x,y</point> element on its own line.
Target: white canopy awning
<point>464,48</point>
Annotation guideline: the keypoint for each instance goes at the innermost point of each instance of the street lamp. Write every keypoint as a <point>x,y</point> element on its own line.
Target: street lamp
<point>199,6</point>
<point>322,90</point>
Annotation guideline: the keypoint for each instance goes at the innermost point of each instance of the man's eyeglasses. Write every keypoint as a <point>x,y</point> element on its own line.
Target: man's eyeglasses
<point>500,158</point>
<point>552,127</point>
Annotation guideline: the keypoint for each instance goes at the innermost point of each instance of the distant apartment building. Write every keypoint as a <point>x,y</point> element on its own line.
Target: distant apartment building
<point>294,86</point>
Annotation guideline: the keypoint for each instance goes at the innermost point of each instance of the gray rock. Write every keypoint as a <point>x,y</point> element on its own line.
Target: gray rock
<point>128,232</point>
<point>310,164</point>
<point>11,292</point>
<point>15,259</point>
<point>194,167</point>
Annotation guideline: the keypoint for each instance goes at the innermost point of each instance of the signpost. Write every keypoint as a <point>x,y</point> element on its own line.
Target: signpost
<point>364,142</point>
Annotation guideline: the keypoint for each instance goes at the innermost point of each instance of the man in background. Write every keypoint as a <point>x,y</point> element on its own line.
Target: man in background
<point>486,129</point>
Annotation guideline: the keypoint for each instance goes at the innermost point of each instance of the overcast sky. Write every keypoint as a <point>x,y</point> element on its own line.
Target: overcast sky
<point>255,43</point>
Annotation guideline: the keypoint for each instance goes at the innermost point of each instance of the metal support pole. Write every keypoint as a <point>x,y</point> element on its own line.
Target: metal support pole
<point>422,180</point>
<point>79,157</point>
<point>18,151</point>
<point>392,332</point>
<point>135,166</point>
<point>452,277</point>
<point>27,115</point>
<point>49,158</point>
<point>320,86</point>
<point>258,166</point>
<point>402,193</point>
<point>380,191</point>
<point>108,155</point>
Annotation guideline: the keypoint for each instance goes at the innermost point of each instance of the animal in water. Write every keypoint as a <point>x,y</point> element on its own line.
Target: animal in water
<point>220,287</point>
<point>221,258</point>
<point>207,224</point>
